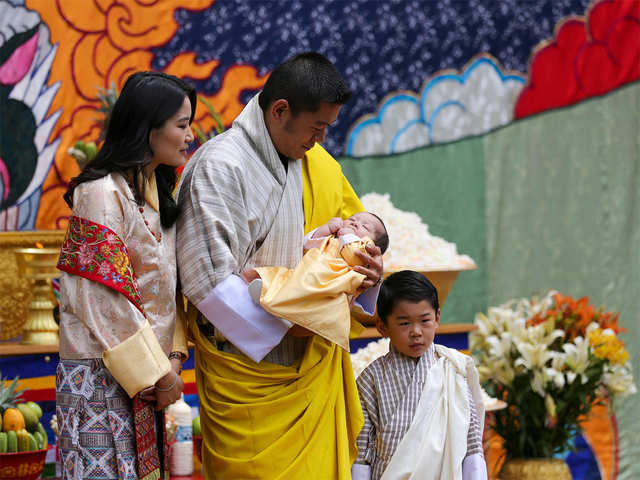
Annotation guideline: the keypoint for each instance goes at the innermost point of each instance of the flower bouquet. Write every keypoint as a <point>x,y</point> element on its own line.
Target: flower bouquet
<point>550,359</point>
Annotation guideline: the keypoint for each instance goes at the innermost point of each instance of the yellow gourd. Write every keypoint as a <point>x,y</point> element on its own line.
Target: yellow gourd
<point>12,420</point>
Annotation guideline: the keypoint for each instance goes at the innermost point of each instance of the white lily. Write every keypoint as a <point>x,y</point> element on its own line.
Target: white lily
<point>577,358</point>
<point>500,347</point>
<point>504,373</point>
<point>534,356</point>
<point>534,351</point>
<point>518,328</point>
<point>485,327</point>
<point>619,381</point>
<point>538,382</point>
<point>555,373</point>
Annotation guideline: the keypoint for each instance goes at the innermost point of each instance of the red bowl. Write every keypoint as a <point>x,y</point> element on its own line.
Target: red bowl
<point>197,446</point>
<point>22,465</point>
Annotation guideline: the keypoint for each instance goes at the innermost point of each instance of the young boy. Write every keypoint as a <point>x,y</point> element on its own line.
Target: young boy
<point>422,404</point>
<point>317,293</point>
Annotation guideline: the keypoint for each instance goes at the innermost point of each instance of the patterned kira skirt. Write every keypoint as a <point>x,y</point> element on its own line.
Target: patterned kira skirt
<point>96,436</point>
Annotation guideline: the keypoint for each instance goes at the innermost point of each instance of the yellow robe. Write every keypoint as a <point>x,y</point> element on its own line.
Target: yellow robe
<point>284,422</point>
<point>326,192</point>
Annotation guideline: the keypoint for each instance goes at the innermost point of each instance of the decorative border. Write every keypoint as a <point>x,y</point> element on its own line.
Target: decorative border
<point>97,253</point>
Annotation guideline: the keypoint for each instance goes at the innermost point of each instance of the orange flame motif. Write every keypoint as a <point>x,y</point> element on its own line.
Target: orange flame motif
<point>101,42</point>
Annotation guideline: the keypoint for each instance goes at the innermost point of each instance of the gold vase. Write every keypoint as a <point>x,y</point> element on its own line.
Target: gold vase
<point>535,469</point>
<point>39,265</point>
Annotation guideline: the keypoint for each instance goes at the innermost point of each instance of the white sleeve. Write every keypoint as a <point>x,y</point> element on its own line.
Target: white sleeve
<point>367,300</point>
<point>310,242</point>
<point>360,471</point>
<point>253,330</point>
<point>474,467</point>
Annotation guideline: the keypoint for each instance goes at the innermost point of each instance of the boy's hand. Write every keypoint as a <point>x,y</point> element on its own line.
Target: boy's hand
<point>335,224</point>
<point>372,266</point>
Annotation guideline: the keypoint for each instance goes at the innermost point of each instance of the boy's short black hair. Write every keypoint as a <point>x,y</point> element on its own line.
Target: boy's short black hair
<point>305,81</point>
<point>382,241</point>
<point>405,285</point>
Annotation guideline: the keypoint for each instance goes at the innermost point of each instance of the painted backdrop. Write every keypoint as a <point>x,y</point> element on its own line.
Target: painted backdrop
<point>511,127</point>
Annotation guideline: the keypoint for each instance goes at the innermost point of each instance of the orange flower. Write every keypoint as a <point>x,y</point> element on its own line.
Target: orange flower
<point>574,316</point>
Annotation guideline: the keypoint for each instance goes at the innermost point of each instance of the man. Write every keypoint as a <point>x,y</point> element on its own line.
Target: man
<point>275,401</point>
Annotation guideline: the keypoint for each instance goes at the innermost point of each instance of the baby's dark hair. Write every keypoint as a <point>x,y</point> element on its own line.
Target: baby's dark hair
<point>405,285</point>
<point>382,241</point>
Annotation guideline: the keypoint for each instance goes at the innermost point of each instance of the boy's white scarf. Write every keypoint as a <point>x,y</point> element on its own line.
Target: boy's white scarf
<point>435,445</point>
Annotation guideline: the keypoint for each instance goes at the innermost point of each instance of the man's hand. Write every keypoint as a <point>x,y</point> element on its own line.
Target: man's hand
<point>249,275</point>
<point>372,267</point>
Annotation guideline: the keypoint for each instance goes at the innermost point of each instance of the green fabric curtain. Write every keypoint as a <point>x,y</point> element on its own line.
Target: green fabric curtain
<point>551,201</point>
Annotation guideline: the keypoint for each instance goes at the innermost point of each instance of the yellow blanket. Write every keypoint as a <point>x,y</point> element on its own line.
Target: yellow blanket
<point>316,293</point>
<point>268,421</point>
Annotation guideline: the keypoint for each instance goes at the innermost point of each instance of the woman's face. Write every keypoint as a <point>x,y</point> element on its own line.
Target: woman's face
<point>170,142</point>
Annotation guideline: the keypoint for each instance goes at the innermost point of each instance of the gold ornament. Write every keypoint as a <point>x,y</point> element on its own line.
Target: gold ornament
<point>535,469</point>
<point>15,290</point>
<point>39,264</point>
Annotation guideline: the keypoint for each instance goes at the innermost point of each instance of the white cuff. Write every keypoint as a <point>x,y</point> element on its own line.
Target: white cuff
<point>360,471</point>
<point>253,330</point>
<point>367,300</point>
<point>309,235</point>
<point>348,238</point>
<point>310,242</point>
<point>474,467</point>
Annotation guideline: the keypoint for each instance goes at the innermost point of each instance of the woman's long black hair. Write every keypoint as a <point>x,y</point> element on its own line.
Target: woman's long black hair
<point>147,101</point>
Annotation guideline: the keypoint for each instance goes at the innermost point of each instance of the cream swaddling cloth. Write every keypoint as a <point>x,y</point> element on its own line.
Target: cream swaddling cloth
<point>316,294</point>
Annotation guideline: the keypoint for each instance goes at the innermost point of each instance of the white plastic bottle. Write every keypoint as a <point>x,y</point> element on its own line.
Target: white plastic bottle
<point>181,451</point>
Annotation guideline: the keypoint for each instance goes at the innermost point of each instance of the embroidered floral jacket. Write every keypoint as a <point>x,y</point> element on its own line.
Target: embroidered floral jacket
<point>118,283</point>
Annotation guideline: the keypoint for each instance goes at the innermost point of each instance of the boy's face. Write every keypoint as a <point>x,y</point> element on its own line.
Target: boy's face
<point>365,225</point>
<point>411,327</point>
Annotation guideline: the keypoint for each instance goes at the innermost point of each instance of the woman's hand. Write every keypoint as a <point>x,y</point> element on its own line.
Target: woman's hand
<point>168,389</point>
<point>371,266</point>
<point>148,394</point>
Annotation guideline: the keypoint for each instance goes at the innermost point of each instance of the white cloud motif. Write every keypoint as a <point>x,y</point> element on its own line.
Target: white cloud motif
<point>450,106</point>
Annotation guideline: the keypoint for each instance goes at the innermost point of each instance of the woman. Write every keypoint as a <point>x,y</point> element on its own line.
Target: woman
<point>121,348</point>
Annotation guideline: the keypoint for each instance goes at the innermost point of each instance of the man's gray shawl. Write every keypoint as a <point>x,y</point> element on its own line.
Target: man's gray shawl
<point>239,207</point>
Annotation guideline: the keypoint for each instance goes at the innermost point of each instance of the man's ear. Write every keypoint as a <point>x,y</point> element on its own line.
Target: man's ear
<point>381,327</point>
<point>279,109</point>
<point>438,317</point>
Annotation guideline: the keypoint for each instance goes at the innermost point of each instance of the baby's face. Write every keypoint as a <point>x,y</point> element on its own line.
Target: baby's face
<point>365,225</point>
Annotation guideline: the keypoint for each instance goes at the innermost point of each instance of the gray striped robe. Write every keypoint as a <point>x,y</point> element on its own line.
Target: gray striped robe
<point>240,208</point>
<point>390,389</point>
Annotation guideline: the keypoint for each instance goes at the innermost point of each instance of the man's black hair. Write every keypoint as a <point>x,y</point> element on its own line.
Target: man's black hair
<point>405,285</point>
<point>305,81</point>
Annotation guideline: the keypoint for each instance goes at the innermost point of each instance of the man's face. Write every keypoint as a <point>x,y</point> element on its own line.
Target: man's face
<point>293,135</point>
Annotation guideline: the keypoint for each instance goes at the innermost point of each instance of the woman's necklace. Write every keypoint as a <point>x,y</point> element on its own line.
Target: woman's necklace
<point>157,237</point>
<point>141,210</point>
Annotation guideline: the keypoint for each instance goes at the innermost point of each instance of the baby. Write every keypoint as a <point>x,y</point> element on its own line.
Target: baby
<point>317,293</point>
